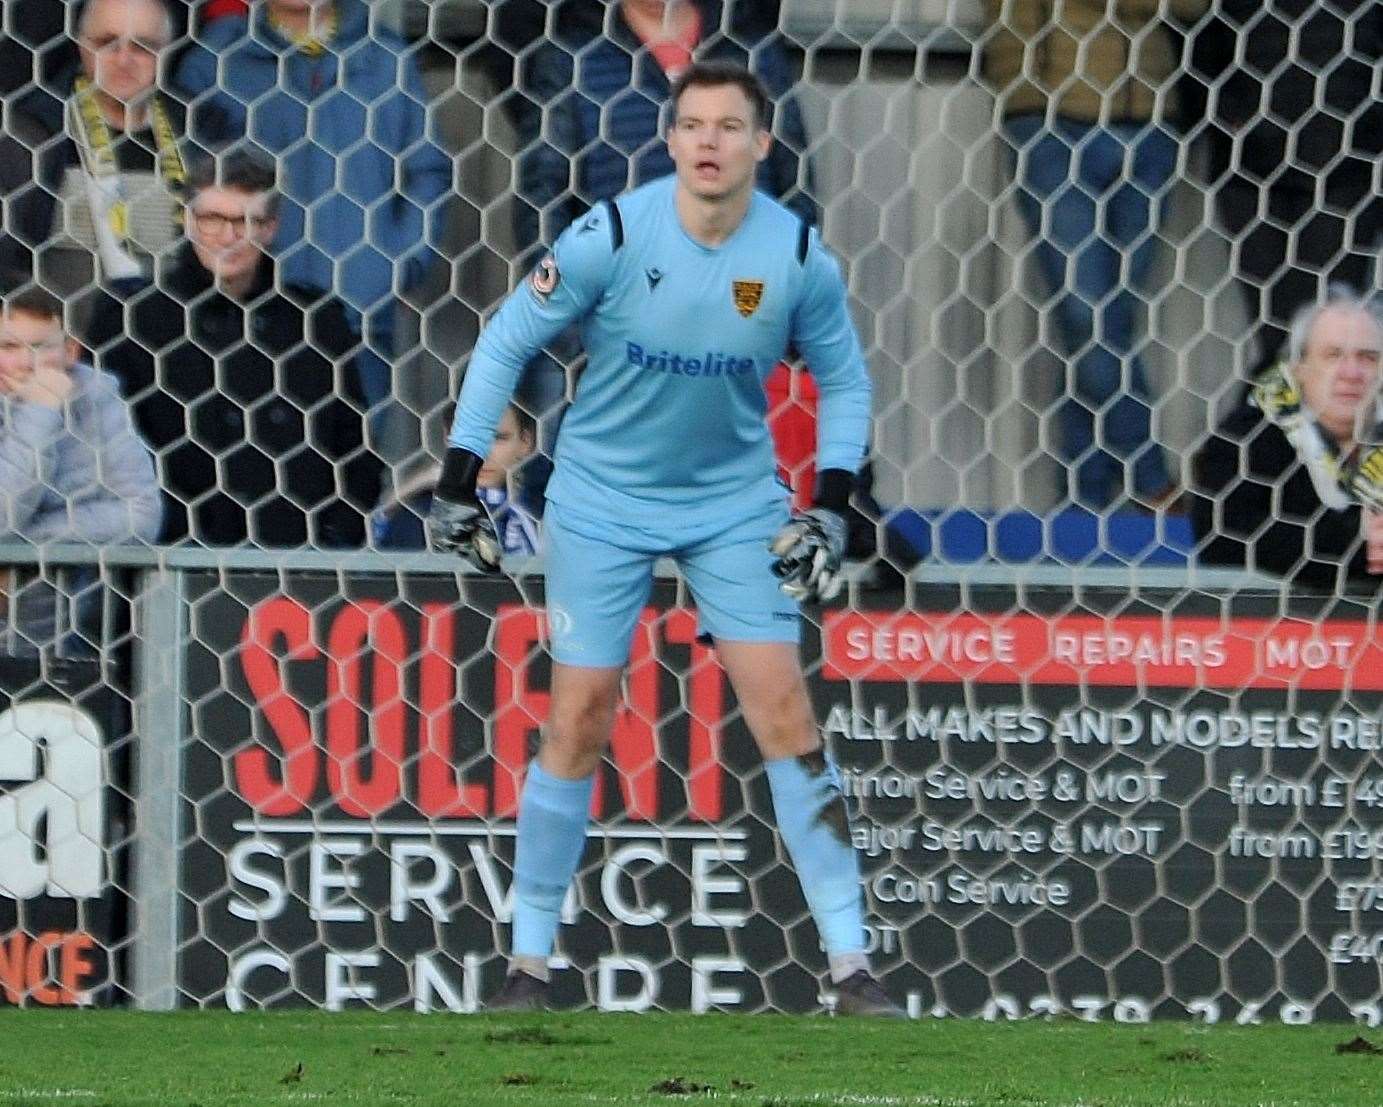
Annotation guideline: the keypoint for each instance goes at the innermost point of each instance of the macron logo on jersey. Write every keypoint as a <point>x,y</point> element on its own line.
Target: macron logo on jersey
<point>709,364</point>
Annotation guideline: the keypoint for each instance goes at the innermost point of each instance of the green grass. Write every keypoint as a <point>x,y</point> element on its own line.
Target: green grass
<point>110,1058</point>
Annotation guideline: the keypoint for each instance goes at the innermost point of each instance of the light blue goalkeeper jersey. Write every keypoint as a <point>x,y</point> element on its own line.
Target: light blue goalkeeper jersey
<point>669,420</point>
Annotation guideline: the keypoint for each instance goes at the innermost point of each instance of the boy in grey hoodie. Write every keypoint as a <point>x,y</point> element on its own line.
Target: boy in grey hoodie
<point>72,468</point>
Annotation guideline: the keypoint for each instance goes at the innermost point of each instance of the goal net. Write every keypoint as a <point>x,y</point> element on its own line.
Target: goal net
<point>277,761</point>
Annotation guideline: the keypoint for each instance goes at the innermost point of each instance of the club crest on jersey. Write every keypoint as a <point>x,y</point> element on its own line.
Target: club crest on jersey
<point>544,278</point>
<point>747,295</point>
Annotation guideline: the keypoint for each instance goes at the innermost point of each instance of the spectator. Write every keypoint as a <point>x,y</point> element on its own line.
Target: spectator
<point>71,467</point>
<point>38,48</point>
<point>242,381</point>
<point>1297,140</point>
<point>342,107</point>
<point>399,525</point>
<point>597,129</point>
<point>1081,90</point>
<point>1274,483</point>
<point>96,169</point>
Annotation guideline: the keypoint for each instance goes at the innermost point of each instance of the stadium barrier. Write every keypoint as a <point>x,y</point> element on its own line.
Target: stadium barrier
<point>1091,792</point>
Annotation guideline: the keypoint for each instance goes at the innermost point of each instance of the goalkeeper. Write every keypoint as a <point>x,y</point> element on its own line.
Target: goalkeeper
<point>688,290</point>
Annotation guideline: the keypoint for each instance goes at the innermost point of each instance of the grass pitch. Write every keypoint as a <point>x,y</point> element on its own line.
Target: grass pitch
<point>123,1059</point>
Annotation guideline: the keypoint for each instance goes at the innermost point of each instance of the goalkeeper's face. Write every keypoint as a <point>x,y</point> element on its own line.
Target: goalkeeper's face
<point>1339,369</point>
<point>716,142</point>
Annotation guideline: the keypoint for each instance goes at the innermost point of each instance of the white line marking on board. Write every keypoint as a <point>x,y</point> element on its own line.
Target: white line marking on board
<point>453,829</point>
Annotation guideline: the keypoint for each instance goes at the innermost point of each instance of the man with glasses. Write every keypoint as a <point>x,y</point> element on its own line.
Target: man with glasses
<point>242,383</point>
<point>340,101</point>
<point>93,174</point>
<point>71,467</point>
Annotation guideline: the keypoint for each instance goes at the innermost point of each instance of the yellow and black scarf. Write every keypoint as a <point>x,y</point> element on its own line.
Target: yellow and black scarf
<point>96,147</point>
<point>1339,481</point>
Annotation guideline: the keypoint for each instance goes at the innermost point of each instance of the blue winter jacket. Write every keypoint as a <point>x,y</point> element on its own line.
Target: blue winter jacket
<point>360,176</point>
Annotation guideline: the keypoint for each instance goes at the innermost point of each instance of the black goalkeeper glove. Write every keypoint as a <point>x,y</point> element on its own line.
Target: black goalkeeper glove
<point>809,550</point>
<point>458,522</point>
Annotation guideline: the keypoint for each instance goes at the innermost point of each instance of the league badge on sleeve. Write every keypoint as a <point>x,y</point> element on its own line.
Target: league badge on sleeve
<point>544,278</point>
<point>747,295</point>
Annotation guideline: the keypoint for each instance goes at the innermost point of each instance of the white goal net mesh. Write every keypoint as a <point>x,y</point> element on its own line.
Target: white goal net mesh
<point>259,749</point>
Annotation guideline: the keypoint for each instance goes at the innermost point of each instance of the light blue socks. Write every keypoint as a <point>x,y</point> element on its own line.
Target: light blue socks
<point>551,839</point>
<point>810,808</point>
<point>812,819</point>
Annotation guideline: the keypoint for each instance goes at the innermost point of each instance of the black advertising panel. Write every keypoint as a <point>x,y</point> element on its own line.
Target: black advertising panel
<point>1119,808</point>
<point>353,773</point>
<point>63,820</point>
<point>1103,806</point>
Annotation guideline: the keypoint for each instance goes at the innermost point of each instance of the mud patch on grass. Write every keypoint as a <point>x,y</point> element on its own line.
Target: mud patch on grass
<point>1190,1055</point>
<point>680,1085</point>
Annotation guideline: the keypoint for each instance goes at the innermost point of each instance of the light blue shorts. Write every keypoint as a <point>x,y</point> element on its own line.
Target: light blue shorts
<point>599,575</point>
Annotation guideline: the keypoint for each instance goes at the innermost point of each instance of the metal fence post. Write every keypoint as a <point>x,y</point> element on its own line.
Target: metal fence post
<point>158,726</point>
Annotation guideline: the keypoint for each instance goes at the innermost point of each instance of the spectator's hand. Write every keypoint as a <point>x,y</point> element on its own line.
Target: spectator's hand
<point>1366,480</point>
<point>49,385</point>
<point>1275,392</point>
<point>809,552</point>
<point>463,529</point>
<point>1373,540</point>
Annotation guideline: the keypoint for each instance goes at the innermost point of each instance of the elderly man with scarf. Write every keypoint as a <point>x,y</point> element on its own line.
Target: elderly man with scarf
<point>92,167</point>
<point>1292,481</point>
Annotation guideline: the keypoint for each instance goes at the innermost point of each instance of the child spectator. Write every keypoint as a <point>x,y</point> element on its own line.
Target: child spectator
<point>399,524</point>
